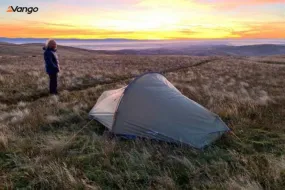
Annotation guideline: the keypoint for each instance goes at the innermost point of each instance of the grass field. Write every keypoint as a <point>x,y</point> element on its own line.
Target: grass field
<point>41,149</point>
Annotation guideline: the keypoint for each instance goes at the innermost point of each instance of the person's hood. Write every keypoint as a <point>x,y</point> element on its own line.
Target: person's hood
<point>45,48</point>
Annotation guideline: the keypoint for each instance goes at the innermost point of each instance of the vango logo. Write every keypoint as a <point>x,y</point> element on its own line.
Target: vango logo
<point>28,10</point>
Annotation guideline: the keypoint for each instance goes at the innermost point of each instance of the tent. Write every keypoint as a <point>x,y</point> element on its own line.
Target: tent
<point>151,107</point>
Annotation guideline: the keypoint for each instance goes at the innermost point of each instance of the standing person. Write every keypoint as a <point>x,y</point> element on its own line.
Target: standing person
<point>51,64</point>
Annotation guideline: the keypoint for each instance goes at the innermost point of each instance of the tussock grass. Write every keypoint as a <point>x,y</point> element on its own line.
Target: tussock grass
<point>39,149</point>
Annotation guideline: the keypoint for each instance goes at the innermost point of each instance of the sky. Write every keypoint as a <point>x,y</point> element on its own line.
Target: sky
<point>145,19</point>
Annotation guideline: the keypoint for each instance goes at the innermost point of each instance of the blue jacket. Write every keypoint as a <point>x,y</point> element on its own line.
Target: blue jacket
<point>51,61</point>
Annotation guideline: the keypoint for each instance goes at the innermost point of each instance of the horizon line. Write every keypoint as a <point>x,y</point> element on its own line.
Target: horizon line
<point>130,39</point>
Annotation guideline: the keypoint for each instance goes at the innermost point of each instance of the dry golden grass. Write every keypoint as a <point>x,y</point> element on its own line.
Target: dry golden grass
<point>38,149</point>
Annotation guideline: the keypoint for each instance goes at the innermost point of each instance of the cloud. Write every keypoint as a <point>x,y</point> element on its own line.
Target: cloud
<point>190,31</point>
<point>239,30</point>
<point>262,30</point>
<point>10,30</point>
<point>208,5</point>
<point>28,22</point>
<point>228,4</point>
<point>149,19</point>
<point>181,5</point>
<point>39,32</point>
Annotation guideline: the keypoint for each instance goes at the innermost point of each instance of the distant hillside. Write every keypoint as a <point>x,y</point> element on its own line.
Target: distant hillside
<point>255,50</point>
<point>249,50</point>
<point>194,50</point>
<point>40,40</point>
<point>37,49</point>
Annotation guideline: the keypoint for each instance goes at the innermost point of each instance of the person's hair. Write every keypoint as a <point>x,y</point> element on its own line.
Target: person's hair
<point>49,42</point>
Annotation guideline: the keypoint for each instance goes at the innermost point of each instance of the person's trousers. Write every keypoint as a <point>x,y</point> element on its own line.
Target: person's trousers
<point>53,83</point>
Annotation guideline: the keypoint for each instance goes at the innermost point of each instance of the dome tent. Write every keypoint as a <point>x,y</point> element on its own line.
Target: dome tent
<point>151,107</point>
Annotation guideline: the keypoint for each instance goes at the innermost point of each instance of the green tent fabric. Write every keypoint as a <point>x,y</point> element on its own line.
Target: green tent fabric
<point>151,107</point>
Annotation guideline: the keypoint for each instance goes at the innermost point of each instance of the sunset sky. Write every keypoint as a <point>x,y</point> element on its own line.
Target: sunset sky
<point>145,19</point>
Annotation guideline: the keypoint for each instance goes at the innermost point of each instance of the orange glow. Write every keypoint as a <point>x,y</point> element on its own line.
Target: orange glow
<point>150,19</point>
